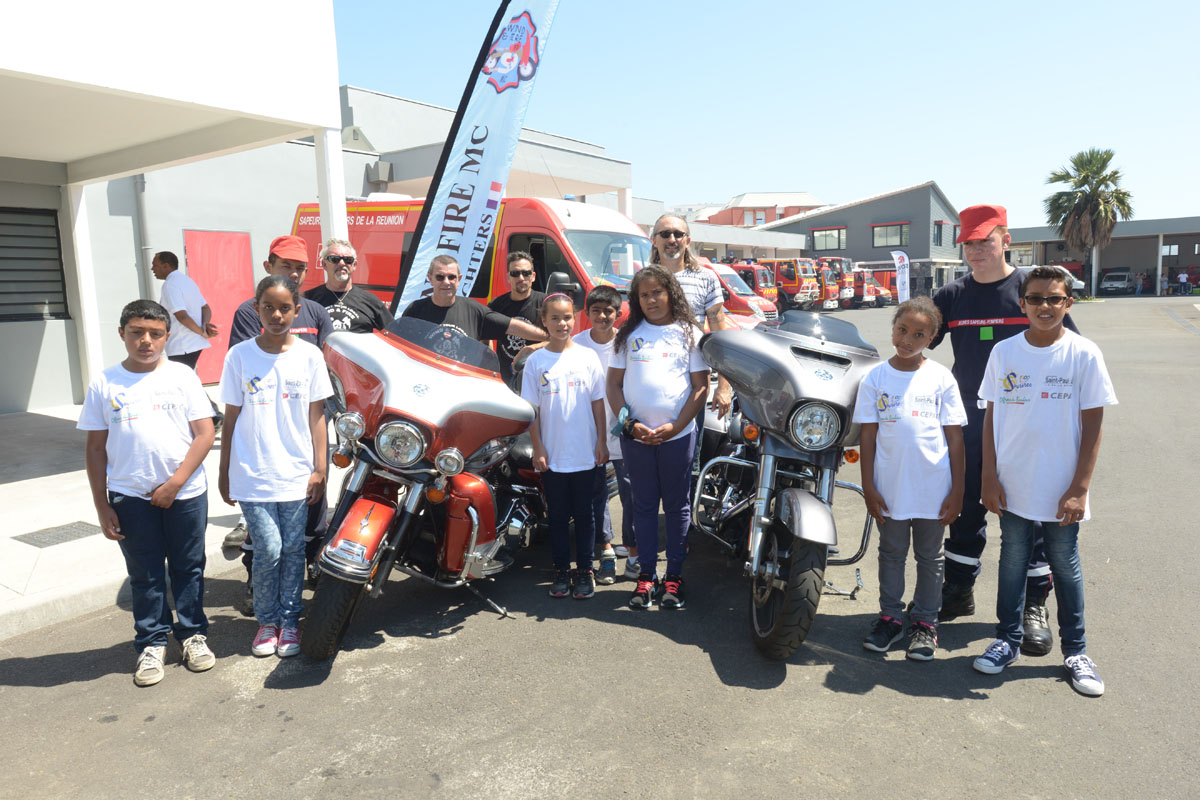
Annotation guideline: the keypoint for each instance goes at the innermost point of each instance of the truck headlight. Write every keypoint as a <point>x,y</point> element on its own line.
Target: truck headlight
<point>400,444</point>
<point>758,312</point>
<point>815,426</point>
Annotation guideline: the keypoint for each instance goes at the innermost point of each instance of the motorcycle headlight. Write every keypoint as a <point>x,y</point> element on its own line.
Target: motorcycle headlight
<point>490,453</point>
<point>350,426</point>
<point>815,426</point>
<point>400,444</point>
<point>449,462</point>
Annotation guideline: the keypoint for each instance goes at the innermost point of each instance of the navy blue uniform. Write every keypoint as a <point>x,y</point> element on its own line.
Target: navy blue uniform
<point>977,315</point>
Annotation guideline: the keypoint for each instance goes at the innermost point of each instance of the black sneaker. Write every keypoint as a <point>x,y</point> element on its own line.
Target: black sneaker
<point>246,601</point>
<point>645,593</point>
<point>885,633</point>
<point>671,593</point>
<point>958,600</point>
<point>562,583</point>
<point>1038,640</point>
<point>585,585</point>
<point>922,642</point>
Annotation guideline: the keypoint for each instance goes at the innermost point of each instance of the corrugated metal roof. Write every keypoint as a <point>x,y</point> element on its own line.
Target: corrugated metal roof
<point>1132,228</point>
<point>832,209</point>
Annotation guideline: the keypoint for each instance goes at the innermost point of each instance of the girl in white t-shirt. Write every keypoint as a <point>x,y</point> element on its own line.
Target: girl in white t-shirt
<point>657,381</point>
<point>273,461</point>
<point>564,382</point>
<point>912,473</point>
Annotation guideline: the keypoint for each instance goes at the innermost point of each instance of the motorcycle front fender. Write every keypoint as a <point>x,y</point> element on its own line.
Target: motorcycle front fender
<point>352,552</point>
<point>806,516</point>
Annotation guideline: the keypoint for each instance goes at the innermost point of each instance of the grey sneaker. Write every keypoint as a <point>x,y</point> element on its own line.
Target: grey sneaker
<point>196,655</point>
<point>922,641</point>
<point>884,633</point>
<point>584,585</point>
<point>1083,675</point>
<point>607,575</point>
<point>633,568</point>
<point>561,587</point>
<point>149,670</point>
<point>235,537</point>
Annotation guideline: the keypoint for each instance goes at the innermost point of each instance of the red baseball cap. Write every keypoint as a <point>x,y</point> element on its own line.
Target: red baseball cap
<point>292,248</point>
<point>977,222</point>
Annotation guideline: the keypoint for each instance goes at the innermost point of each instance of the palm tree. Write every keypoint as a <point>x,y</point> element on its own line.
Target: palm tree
<point>1085,214</point>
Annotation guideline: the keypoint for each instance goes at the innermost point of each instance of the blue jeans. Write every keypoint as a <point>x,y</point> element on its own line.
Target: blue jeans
<point>660,473</point>
<point>569,494</point>
<point>278,531</point>
<point>153,536</point>
<point>1062,551</point>
<point>600,516</point>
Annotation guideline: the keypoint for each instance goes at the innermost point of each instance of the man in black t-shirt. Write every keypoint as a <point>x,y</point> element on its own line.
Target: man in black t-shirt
<point>446,307</point>
<point>520,303</point>
<point>350,307</point>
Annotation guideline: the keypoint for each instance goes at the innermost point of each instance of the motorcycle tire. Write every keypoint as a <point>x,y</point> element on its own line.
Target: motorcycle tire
<point>333,604</point>
<point>780,618</point>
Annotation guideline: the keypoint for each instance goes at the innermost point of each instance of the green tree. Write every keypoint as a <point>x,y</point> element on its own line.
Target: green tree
<point>1086,213</point>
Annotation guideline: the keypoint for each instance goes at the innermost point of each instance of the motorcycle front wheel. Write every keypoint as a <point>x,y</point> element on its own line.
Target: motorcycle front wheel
<point>783,607</point>
<point>333,604</point>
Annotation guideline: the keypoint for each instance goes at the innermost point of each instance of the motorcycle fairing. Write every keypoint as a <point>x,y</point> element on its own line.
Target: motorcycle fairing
<point>352,552</point>
<point>465,493</point>
<point>804,514</point>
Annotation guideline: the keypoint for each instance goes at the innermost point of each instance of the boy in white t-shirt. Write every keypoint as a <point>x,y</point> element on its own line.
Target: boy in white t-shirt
<point>565,384</point>
<point>149,426</point>
<point>913,466</point>
<point>1045,392</point>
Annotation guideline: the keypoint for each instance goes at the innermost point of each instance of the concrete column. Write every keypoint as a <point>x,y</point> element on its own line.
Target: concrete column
<point>87,313</point>
<point>331,184</point>
<point>625,201</point>
<point>1158,268</point>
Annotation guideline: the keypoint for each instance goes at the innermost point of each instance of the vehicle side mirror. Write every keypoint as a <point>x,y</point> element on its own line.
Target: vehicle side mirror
<point>561,283</point>
<point>725,292</point>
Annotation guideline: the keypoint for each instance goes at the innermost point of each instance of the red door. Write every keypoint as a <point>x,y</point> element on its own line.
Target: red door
<point>220,264</point>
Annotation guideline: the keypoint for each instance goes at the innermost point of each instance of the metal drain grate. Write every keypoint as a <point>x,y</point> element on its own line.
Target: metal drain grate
<point>48,537</point>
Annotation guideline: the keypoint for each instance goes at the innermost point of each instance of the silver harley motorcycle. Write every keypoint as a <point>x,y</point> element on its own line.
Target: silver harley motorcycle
<point>766,494</point>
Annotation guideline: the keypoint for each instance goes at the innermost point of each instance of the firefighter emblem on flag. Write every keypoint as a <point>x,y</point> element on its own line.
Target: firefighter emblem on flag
<point>514,55</point>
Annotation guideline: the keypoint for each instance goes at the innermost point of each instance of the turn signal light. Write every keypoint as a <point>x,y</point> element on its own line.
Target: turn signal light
<point>851,456</point>
<point>435,495</point>
<point>341,458</point>
<point>750,433</point>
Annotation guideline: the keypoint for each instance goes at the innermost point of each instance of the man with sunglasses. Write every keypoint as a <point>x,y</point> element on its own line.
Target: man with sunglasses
<point>522,303</point>
<point>980,309</point>
<point>351,308</point>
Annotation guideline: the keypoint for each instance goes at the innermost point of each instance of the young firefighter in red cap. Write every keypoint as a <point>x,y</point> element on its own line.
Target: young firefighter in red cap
<point>288,256</point>
<point>980,309</point>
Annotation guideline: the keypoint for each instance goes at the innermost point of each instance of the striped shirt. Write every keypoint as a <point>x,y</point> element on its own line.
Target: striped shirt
<point>702,290</point>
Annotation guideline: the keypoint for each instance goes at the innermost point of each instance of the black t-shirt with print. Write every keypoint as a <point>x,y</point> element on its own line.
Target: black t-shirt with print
<point>508,346</point>
<point>356,310</point>
<point>467,316</point>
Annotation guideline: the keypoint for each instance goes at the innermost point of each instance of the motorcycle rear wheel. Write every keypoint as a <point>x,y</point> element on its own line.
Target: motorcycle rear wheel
<point>333,604</point>
<point>782,610</point>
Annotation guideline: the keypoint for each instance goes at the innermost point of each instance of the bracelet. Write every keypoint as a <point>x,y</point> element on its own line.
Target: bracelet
<point>627,429</point>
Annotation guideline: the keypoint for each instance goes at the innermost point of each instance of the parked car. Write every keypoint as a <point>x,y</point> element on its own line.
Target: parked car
<point>1117,281</point>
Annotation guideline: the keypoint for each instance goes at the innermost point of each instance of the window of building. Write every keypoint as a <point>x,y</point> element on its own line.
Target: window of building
<point>891,234</point>
<point>937,234</point>
<point>760,217</point>
<point>31,272</point>
<point>955,239</point>
<point>829,239</point>
<point>748,218</point>
<point>1170,249</point>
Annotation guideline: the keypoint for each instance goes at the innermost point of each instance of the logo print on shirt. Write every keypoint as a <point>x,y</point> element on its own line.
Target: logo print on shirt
<point>254,385</point>
<point>884,401</point>
<point>637,344</point>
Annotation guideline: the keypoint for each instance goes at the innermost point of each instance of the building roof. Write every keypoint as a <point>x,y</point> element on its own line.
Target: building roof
<point>771,199</point>
<point>817,212</point>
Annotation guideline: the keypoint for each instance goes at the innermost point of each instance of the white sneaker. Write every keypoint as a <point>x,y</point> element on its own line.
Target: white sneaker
<point>149,670</point>
<point>196,654</point>
<point>1083,675</point>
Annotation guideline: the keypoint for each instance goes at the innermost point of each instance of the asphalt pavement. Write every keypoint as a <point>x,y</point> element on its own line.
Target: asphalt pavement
<point>434,695</point>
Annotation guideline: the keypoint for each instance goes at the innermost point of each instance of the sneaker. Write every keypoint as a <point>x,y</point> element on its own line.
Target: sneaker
<point>196,655</point>
<point>998,656</point>
<point>671,593</point>
<point>922,641</point>
<point>958,600</point>
<point>585,585</point>
<point>607,552</point>
<point>245,603</point>
<point>620,551</point>
<point>884,633</point>
<point>149,670</point>
<point>633,569</point>
<point>562,583</point>
<point>1083,675</point>
<point>289,642</point>
<point>1038,640</point>
<point>265,641</point>
<point>235,537</point>
<point>645,593</point>
<point>607,575</point>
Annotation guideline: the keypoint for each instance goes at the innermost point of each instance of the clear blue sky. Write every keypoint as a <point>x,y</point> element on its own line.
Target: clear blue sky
<point>708,100</point>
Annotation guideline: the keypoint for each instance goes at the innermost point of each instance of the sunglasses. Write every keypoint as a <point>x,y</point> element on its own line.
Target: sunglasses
<point>445,278</point>
<point>520,273</point>
<point>1054,300</point>
<point>347,260</point>
<point>671,235</point>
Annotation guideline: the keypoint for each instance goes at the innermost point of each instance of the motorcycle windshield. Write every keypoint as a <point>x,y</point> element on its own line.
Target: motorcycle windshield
<point>445,342</point>
<point>819,326</point>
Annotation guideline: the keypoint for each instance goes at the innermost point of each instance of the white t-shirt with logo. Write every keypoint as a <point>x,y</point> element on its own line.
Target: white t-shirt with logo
<point>912,459</point>
<point>180,293</point>
<point>563,386</point>
<point>658,368</point>
<point>604,353</point>
<point>1038,393</point>
<point>272,451</point>
<point>148,417</point>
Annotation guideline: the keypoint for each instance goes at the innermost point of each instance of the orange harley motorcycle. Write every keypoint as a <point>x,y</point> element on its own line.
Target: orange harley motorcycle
<point>441,481</point>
